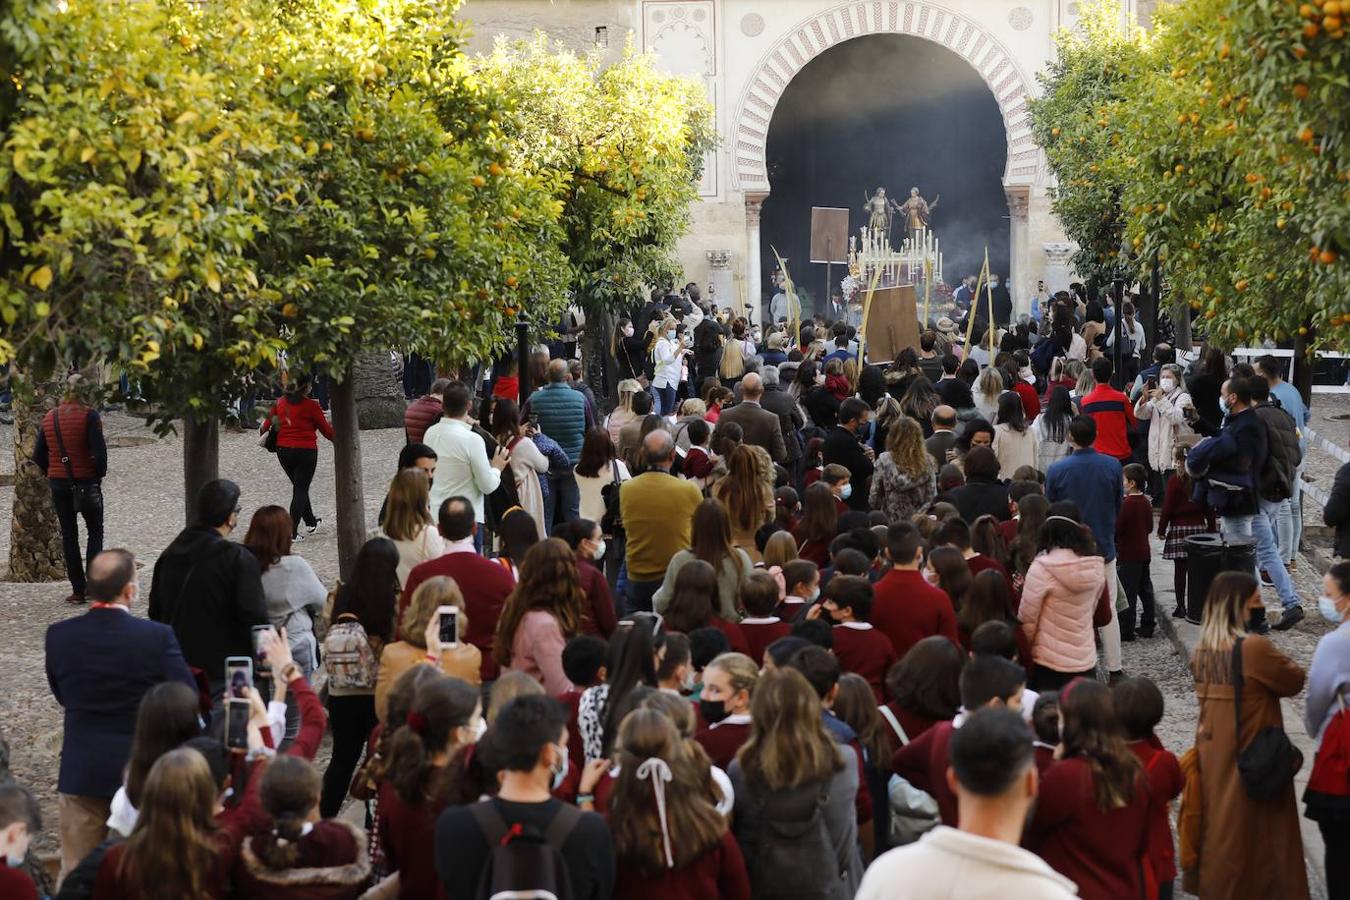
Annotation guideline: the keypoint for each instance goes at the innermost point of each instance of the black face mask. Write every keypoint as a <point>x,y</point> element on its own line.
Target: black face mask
<point>713,711</point>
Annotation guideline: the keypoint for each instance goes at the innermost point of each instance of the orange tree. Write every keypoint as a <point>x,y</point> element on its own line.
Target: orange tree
<point>621,148</point>
<point>135,148</point>
<point>408,224</point>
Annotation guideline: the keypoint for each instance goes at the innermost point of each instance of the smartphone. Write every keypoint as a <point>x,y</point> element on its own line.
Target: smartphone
<point>238,676</point>
<point>534,421</point>
<point>448,616</point>
<point>261,634</point>
<point>236,723</point>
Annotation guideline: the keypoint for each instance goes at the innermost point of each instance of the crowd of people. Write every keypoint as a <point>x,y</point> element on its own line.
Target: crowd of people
<point>782,624</point>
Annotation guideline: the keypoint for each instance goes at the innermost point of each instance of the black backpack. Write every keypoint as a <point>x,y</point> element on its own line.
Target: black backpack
<point>1043,354</point>
<point>522,863</point>
<point>792,857</point>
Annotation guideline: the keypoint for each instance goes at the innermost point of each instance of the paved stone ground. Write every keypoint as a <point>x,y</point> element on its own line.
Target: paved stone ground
<point>145,511</point>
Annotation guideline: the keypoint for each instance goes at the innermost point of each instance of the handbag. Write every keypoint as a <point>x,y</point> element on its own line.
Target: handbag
<point>268,439</point>
<point>1267,764</point>
<point>914,812</point>
<point>83,495</point>
<point>611,522</point>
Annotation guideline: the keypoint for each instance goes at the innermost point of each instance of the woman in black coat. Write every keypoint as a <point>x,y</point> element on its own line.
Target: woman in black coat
<point>982,494</point>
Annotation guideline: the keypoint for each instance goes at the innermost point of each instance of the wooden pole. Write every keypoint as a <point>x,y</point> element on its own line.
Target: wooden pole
<point>989,292</point>
<point>867,308</point>
<point>975,303</point>
<point>927,286</point>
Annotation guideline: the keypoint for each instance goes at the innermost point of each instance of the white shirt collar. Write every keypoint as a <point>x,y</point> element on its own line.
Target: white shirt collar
<point>856,626</point>
<point>464,546</point>
<point>733,719</point>
<point>760,620</point>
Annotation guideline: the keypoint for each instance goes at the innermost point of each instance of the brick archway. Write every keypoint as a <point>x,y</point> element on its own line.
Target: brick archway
<point>821,31</point>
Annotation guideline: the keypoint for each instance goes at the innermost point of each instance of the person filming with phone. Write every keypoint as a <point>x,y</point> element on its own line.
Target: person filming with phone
<point>99,666</point>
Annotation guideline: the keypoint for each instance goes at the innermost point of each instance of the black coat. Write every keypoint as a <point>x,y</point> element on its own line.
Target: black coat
<point>841,446</point>
<point>981,497</point>
<point>821,406</point>
<point>1283,454</point>
<point>1337,511</point>
<point>209,590</point>
<point>955,393</point>
<point>781,403</point>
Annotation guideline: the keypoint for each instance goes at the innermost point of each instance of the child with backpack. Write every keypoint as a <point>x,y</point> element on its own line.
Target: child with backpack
<point>670,841</point>
<point>1139,707</point>
<point>524,840</point>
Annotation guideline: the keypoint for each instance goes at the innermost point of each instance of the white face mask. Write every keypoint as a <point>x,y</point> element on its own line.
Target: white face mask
<point>480,729</point>
<point>1167,384</point>
<point>1327,607</point>
<point>689,682</point>
<point>814,595</point>
<point>820,378</point>
<point>930,576</point>
<point>628,331</point>
<point>993,282</point>
<point>599,549</point>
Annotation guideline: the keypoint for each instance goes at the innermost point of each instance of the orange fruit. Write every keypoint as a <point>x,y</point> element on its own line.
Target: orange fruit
<point>1299,52</point>
<point>1332,23</point>
<point>1054,132</point>
<point>1310,30</point>
<point>1332,8</point>
<point>1253,178</point>
<point>478,181</point>
<point>512,281</point>
<point>495,169</point>
<point>1327,257</point>
<point>1241,285</point>
<point>1307,10</point>
<point>1306,135</point>
<point>1300,91</point>
<point>1208,289</point>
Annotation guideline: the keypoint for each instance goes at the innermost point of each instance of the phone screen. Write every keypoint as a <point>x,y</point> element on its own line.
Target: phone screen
<point>238,676</point>
<point>260,634</point>
<point>236,724</point>
<point>449,625</point>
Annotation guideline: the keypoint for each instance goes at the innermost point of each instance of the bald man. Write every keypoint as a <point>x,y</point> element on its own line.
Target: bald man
<point>761,427</point>
<point>658,515</point>
<point>944,434</point>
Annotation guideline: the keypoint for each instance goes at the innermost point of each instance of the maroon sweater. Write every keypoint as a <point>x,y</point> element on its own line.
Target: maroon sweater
<point>332,864</point>
<point>407,832</point>
<point>1133,525</point>
<point>1099,851</point>
<point>923,763</point>
<point>1165,781</point>
<point>1179,509</point>
<point>759,635</point>
<point>720,873</point>
<point>908,609</point>
<point>722,740</point>
<point>866,652</point>
<point>600,619</point>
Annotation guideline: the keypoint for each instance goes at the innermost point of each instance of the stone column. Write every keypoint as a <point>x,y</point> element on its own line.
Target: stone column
<point>720,277</point>
<point>1018,251</point>
<point>1058,272</point>
<point>754,271</point>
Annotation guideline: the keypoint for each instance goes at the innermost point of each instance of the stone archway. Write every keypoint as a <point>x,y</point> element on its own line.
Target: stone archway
<point>817,33</point>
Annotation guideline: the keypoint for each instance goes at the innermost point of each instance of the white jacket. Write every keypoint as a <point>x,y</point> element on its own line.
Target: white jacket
<point>1168,413</point>
<point>946,863</point>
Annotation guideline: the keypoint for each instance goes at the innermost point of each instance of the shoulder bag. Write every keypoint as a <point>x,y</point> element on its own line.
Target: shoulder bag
<point>1267,765</point>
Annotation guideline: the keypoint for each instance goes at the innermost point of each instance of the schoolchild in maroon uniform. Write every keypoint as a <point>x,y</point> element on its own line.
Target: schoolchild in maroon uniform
<point>1139,707</point>
<point>861,648</point>
<point>1045,724</point>
<point>925,689</point>
<point>583,662</point>
<point>801,580</point>
<point>694,601</point>
<point>724,704</point>
<point>759,599</point>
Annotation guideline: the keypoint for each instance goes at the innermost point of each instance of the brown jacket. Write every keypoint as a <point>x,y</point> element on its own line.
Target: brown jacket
<point>462,662</point>
<point>1246,848</point>
<point>759,426</point>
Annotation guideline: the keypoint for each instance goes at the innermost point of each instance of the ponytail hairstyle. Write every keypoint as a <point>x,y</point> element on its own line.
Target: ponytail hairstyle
<point>1092,732</point>
<point>438,709</point>
<point>289,793</point>
<point>400,701</point>
<point>661,814</point>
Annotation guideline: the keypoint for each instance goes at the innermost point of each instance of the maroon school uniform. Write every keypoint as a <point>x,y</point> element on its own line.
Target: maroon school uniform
<point>332,864</point>
<point>923,763</point>
<point>1008,529</point>
<point>913,724</point>
<point>724,738</point>
<point>1045,756</point>
<point>407,833</point>
<point>599,618</point>
<point>720,873</point>
<point>790,611</point>
<point>576,748</point>
<point>864,651</point>
<point>761,632</point>
<point>1165,781</point>
<point>1098,851</point>
<point>1134,523</point>
<point>697,464</point>
<point>1019,635</point>
<point>908,609</point>
<point>15,883</point>
<point>979,562</point>
<point>735,637</point>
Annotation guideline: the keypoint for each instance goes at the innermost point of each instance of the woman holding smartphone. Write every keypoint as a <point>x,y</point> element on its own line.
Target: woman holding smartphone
<point>668,353</point>
<point>422,639</point>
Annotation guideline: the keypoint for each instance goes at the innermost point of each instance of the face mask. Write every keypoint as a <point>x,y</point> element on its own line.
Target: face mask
<point>1327,607</point>
<point>820,378</point>
<point>670,336</point>
<point>1167,384</point>
<point>628,331</point>
<point>694,318</point>
<point>689,682</point>
<point>1223,405</point>
<point>846,492</point>
<point>599,550</point>
<point>993,284</point>
<point>930,576</point>
<point>561,772</point>
<point>814,595</point>
<point>713,711</point>
<point>14,860</point>
<point>756,336</point>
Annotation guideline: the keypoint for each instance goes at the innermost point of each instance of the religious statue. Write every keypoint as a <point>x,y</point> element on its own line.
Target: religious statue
<point>880,208</point>
<point>917,210</point>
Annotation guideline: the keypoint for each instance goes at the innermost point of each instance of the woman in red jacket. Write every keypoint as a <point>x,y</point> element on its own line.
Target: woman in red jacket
<point>1094,808</point>
<point>670,841</point>
<point>299,420</point>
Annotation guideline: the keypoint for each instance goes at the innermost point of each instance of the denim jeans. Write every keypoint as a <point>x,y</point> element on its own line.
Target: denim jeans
<point>1296,511</point>
<point>667,397</point>
<point>1281,521</point>
<point>1135,578</point>
<point>1267,551</point>
<point>63,499</point>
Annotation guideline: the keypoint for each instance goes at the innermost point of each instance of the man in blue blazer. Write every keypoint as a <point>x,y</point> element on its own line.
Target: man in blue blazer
<point>99,666</point>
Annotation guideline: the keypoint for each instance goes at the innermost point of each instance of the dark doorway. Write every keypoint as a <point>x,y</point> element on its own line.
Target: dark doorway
<point>894,111</point>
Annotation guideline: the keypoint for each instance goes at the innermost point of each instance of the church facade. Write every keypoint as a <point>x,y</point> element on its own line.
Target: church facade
<point>746,53</point>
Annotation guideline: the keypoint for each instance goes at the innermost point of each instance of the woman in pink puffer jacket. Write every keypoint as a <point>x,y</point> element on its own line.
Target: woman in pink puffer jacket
<point>1058,599</point>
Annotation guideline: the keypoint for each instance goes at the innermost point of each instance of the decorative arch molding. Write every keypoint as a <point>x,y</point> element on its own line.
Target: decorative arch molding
<point>931,21</point>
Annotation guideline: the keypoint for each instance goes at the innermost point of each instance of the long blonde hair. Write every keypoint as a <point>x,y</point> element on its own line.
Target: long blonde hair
<point>439,591</point>
<point>904,442</point>
<point>748,500</point>
<point>990,384</point>
<point>172,851</point>
<point>788,744</point>
<point>733,359</point>
<point>407,511</point>
<point>1223,622</point>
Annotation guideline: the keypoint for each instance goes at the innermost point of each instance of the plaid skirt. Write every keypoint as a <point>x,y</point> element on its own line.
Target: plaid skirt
<point>1175,545</point>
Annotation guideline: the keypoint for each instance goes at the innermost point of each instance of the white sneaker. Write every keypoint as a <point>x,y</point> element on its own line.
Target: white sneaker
<point>315,527</point>
<point>297,538</point>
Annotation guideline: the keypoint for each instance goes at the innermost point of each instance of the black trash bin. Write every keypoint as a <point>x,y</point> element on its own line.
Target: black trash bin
<point>1206,556</point>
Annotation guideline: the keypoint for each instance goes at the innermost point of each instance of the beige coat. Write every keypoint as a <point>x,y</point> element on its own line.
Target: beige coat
<point>463,662</point>
<point>1168,424</point>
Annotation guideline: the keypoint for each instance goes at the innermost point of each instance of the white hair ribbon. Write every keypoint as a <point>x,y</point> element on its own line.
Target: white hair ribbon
<point>659,772</point>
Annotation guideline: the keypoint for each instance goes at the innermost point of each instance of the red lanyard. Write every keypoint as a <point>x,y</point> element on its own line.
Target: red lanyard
<point>99,604</point>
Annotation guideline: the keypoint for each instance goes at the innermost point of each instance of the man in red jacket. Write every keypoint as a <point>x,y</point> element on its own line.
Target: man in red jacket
<point>1111,410</point>
<point>484,583</point>
<point>424,412</point>
<point>907,608</point>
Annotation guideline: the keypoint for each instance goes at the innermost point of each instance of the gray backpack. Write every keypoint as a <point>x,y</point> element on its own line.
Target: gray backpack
<point>792,856</point>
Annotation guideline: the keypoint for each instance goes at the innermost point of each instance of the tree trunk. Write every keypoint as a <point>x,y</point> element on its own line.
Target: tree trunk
<point>596,358</point>
<point>1181,324</point>
<point>378,397</point>
<point>351,500</point>
<point>201,460</point>
<point>35,535</point>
